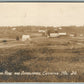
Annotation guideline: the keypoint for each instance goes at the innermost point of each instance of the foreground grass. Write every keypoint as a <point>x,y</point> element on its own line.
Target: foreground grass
<point>39,56</point>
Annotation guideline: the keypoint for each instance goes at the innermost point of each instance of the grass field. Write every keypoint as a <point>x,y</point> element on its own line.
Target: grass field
<point>43,54</point>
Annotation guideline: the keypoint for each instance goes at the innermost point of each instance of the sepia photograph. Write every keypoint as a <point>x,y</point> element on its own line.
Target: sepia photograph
<point>41,42</point>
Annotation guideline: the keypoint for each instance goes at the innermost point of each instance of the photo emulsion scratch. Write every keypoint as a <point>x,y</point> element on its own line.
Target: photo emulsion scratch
<point>41,42</point>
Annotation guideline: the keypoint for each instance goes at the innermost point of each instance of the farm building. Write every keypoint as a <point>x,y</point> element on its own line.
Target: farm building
<point>55,33</point>
<point>43,32</point>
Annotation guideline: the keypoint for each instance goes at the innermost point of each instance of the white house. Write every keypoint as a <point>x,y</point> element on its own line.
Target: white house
<point>25,37</point>
<point>57,34</point>
<point>62,34</point>
<point>54,34</point>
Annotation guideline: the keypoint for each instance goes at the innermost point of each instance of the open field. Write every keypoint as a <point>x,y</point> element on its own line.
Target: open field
<point>43,54</point>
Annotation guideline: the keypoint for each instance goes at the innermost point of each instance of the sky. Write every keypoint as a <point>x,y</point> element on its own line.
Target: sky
<point>41,14</point>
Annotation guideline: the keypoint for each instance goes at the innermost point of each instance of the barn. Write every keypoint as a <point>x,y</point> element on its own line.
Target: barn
<point>55,33</point>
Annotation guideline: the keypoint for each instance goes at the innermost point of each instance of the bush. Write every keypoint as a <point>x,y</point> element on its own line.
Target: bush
<point>4,41</point>
<point>17,38</point>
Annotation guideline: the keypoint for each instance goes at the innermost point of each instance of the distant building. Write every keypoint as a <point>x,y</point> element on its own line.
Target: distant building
<point>72,35</point>
<point>63,34</point>
<point>60,28</point>
<point>81,35</point>
<point>41,31</point>
<point>13,28</point>
<point>54,34</point>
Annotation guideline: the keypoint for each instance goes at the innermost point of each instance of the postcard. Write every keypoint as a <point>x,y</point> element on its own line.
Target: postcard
<point>41,42</point>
